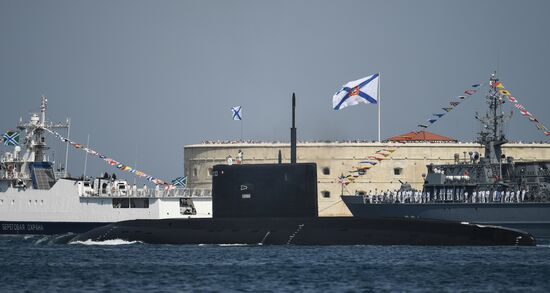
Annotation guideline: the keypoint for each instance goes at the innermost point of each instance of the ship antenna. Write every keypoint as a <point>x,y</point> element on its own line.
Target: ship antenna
<point>43,103</point>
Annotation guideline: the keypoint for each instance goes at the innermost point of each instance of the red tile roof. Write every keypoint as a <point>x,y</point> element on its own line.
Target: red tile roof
<point>421,136</point>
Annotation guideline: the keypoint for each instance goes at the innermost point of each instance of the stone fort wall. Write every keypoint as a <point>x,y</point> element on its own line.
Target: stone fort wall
<point>406,164</point>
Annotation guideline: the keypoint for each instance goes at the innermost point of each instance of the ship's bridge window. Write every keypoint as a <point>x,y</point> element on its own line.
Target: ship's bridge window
<point>325,194</point>
<point>121,203</point>
<point>326,171</point>
<point>397,171</point>
<point>134,203</point>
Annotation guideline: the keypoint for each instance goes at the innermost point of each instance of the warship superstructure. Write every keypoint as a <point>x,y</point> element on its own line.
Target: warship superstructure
<point>37,199</point>
<point>489,188</point>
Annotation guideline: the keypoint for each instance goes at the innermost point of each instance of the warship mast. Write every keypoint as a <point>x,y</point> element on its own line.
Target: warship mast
<point>35,141</point>
<point>492,135</point>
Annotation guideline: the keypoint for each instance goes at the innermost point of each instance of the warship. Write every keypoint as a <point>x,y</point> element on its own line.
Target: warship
<point>277,204</point>
<point>489,188</point>
<point>36,198</point>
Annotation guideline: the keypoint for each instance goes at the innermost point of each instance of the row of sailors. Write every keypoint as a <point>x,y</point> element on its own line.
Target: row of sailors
<point>481,196</point>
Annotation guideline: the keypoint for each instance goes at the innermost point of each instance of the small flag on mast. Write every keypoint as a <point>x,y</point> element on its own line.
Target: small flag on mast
<point>237,112</point>
<point>11,138</point>
<point>364,90</point>
<point>180,181</point>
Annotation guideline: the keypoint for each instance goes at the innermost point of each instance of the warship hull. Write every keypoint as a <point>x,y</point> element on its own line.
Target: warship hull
<point>46,228</point>
<point>533,218</point>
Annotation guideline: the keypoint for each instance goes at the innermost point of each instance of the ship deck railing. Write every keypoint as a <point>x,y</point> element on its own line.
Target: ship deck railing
<point>151,193</point>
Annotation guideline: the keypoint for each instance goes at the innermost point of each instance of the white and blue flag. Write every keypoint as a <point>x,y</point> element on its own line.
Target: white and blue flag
<point>237,113</point>
<point>11,138</point>
<point>180,181</point>
<point>364,90</point>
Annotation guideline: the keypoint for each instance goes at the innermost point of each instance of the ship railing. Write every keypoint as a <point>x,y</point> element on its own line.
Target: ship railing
<point>60,174</point>
<point>14,176</point>
<point>152,193</point>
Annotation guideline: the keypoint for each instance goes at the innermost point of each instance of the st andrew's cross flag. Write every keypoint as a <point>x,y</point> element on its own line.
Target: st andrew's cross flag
<point>364,90</point>
<point>180,181</point>
<point>237,112</point>
<point>11,138</point>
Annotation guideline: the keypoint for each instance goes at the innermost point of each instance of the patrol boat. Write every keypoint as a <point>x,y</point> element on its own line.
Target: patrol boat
<point>36,199</point>
<point>488,189</point>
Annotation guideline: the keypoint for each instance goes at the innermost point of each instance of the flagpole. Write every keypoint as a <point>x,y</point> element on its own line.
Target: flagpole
<point>379,98</point>
<point>241,129</point>
<point>135,162</point>
<point>67,148</point>
<point>86,157</point>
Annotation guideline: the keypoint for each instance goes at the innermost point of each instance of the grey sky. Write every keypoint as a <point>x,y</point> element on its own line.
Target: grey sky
<point>153,76</point>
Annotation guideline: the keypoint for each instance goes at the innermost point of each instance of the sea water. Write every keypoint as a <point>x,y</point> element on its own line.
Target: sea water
<point>41,264</point>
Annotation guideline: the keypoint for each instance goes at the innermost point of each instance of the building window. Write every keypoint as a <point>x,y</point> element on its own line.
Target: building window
<point>209,171</point>
<point>397,171</point>
<point>195,172</point>
<point>325,194</point>
<point>326,171</point>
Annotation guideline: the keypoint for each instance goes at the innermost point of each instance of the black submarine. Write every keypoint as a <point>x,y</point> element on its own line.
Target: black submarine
<point>275,204</point>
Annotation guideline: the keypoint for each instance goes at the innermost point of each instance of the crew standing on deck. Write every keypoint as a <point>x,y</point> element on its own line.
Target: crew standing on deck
<point>240,155</point>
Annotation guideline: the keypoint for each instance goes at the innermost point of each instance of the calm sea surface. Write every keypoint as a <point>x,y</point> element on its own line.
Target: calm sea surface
<point>37,264</point>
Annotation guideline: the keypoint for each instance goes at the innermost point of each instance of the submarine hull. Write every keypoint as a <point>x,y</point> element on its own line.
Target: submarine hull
<point>307,231</point>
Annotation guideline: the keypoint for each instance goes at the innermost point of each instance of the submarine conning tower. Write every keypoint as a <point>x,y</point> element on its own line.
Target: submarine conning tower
<point>266,190</point>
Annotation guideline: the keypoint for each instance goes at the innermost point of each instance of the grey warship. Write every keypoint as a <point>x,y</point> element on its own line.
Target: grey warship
<point>488,188</point>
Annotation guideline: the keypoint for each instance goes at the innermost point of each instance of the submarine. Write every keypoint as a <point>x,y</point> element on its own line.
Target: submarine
<point>276,204</point>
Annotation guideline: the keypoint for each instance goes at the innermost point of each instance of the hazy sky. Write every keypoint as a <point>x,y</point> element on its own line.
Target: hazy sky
<point>148,77</point>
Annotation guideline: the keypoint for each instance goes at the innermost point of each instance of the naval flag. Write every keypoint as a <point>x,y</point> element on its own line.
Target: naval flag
<point>180,181</point>
<point>11,138</point>
<point>364,90</point>
<point>237,112</point>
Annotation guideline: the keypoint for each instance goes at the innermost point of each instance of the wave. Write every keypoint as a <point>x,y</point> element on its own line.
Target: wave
<point>42,239</point>
<point>229,244</point>
<point>105,242</point>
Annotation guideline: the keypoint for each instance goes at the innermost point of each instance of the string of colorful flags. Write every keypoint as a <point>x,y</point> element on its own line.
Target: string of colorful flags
<point>363,166</point>
<point>452,104</point>
<point>119,165</point>
<point>505,93</point>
